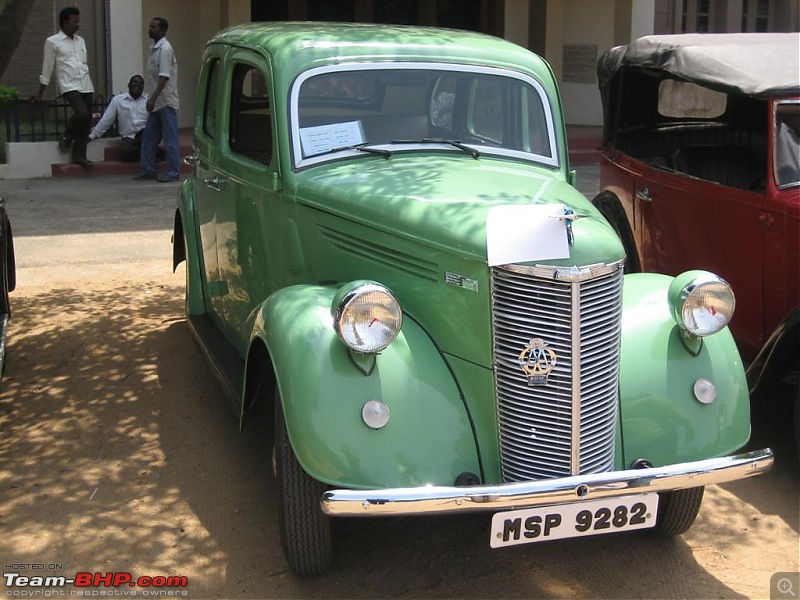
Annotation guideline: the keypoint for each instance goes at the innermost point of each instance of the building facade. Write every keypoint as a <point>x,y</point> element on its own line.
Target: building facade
<point>569,34</point>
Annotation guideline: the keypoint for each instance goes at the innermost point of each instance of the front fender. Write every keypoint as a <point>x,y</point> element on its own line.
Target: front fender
<point>428,439</point>
<point>661,420</point>
<point>187,247</point>
<point>778,356</point>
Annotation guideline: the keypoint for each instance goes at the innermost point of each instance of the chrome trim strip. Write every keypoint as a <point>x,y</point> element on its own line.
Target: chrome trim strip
<point>446,499</point>
<point>567,273</point>
<point>577,434</point>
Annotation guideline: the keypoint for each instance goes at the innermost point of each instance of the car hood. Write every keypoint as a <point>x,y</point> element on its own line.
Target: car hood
<point>444,200</point>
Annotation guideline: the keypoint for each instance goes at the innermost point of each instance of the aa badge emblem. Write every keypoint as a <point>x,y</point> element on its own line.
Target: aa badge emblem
<point>537,361</point>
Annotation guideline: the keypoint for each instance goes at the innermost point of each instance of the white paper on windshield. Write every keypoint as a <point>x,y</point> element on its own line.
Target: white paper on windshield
<point>322,138</point>
<point>524,233</point>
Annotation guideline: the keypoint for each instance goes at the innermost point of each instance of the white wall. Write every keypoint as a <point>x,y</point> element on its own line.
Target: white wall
<point>125,43</point>
<point>29,160</point>
<point>643,18</point>
<point>591,24</point>
<point>516,22</point>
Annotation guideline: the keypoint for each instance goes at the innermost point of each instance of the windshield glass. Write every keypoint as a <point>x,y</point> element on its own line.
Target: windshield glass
<point>410,107</point>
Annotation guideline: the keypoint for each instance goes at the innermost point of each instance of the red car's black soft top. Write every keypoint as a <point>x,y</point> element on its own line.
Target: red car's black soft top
<point>762,65</point>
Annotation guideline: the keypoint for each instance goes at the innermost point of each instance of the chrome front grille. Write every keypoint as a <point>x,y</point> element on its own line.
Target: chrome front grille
<point>566,424</point>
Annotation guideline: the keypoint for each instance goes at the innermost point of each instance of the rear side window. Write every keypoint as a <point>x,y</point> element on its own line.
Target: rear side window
<point>250,120</point>
<point>684,100</point>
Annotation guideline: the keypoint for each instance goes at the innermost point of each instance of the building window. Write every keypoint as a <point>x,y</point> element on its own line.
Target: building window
<point>702,20</point>
<point>684,15</point>
<point>762,15</point>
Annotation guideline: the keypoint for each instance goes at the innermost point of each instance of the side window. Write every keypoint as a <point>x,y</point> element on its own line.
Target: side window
<point>787,144</point>
<point>251,117</point>
<point>210,104</point>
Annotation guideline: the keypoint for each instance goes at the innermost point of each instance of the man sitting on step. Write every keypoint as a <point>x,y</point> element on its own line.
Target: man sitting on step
<point>130,112</point>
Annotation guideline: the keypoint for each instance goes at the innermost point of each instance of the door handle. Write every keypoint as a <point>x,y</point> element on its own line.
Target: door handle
<point>644,195</point>
<point>191,160</point>
<point>212,183</point>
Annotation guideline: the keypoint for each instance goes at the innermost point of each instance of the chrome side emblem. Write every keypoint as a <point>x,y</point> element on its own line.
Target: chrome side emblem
<point>537,361</point>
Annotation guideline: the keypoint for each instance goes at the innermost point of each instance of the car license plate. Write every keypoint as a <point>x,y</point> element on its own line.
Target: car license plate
<point>592,517</point>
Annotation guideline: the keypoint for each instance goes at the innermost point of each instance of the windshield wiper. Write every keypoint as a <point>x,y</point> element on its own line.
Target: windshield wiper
<point>363,147</point>
<point>455,143</point>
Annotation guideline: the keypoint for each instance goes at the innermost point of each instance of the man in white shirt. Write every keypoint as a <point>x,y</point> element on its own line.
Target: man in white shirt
<point>130,112</point>
<point>162,106</point>
<point>65,54</point>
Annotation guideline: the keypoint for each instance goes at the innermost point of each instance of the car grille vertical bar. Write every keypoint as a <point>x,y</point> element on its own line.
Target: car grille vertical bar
<point>564,425</point>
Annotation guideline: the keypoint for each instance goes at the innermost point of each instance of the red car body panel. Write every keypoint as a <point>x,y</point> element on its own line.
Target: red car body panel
<point>751,239</point>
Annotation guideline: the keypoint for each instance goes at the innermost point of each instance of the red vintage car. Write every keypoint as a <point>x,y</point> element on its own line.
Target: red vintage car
<point>701,169</point>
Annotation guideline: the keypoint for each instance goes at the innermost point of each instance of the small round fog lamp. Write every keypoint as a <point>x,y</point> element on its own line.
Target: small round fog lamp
<point>375,414</point>
<point>705,391</point>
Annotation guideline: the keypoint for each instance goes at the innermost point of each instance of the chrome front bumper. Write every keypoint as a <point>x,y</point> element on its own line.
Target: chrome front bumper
<point>566,490</point>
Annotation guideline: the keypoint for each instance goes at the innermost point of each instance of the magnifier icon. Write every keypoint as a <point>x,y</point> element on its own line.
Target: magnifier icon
<point>785,586</point>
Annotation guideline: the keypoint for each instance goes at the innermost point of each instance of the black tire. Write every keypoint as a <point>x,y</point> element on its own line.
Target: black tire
<point>609,205</point>
<point>5,303</point>
<point>677,511</point>
<point>305,529</point>
<point>5,276</point>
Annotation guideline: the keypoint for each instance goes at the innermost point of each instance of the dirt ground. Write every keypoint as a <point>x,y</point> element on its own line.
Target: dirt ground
<point>119,453</point>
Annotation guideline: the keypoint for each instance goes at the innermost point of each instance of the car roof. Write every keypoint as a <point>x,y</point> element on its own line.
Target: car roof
<point>762,65</point>
<point>296,46</point>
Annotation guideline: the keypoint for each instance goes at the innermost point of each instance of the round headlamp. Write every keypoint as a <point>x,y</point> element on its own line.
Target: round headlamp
<point>366,316</point>
<point>701,302</point>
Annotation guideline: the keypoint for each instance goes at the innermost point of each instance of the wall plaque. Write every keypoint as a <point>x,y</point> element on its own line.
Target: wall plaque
<point>580,63</point>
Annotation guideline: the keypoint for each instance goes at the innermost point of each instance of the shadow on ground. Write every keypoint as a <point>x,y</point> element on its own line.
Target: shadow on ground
<point>119,453</point>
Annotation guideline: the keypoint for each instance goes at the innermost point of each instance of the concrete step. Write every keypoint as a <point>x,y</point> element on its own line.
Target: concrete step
<point>111,165</point>
<point>584,143</point>
<point>584,157</point>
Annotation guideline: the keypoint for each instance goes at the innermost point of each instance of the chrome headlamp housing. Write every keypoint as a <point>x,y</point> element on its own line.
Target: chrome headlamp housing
<point>366,316</point>
<point>702,303</point>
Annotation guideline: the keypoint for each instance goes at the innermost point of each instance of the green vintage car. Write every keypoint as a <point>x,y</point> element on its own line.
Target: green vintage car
<point>385,249</point>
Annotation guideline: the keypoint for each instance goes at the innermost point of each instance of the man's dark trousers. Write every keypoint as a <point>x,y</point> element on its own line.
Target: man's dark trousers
<point>80,123</point>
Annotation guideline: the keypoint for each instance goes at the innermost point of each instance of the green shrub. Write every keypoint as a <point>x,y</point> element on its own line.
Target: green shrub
<point>8,94</point>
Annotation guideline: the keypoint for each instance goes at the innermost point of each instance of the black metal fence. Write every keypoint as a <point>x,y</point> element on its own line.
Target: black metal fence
<point>44,121</point>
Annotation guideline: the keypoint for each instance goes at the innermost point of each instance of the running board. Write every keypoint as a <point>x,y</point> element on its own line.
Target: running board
<point>226,364</point>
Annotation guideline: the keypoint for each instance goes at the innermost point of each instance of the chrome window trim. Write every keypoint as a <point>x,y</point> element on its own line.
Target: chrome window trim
<point>296,151</point>
<point>774,165</point>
